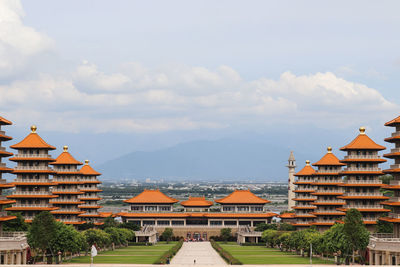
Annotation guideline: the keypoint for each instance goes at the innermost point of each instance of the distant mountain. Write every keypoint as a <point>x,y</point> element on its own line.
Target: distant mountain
<point>205,160</point>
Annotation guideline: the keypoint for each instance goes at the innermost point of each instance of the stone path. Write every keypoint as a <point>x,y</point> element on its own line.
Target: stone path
<point>202,252</point>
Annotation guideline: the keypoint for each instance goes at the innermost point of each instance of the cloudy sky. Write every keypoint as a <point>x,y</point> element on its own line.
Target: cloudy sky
<point>111,77</point>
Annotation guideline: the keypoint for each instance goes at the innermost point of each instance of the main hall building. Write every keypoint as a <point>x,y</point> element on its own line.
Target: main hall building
<point>239,209</point>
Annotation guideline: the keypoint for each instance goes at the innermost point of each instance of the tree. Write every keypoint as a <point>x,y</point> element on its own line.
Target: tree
<point>355,231</point>
<point>42,233</point>
<point>286,227</point>
<point>109,222</point>
<point>334,242</point>
<point>97,237</point>
<point>261,227</point>
<point>130,225</point>
<point>167,234</point>
<point>270,237</point>
<point>226,233</point>
<point>67,239</point>
<point>15,225</point>
<point>384,226</point>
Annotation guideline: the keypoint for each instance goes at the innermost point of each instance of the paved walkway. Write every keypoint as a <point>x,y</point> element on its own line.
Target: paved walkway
<point>201,252</point>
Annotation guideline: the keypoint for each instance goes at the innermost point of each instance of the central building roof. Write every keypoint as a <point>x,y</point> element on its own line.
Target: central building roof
<point>242,197</point>
<point>197,202</point>
<point>152,196</point>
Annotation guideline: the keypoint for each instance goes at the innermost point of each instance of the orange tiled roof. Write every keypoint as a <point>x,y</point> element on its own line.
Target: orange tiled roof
<point>106,214</point>
<point>362,141</point>
<point>290,215</point>
<point>87,170</point>
<point>65,158</point>
<point>393,122</point>
<point>33,140</point>
<point>329,160</point>
<point>152,196</point>
<point>197,202</point>
<point>3,121</point>
<point>242,197</point>
<point>306,171</point>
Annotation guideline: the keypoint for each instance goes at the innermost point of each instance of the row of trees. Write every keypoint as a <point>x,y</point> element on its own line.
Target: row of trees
<point>346,241</point>
<point>55,240</point>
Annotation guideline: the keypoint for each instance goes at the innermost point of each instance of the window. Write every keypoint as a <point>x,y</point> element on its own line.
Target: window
<point>215,222</point>
<point>165,208</point>
<point>163,222</point>
<point>178,222</point>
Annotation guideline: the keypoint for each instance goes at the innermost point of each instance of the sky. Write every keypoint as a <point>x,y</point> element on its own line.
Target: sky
<point>111,77</point>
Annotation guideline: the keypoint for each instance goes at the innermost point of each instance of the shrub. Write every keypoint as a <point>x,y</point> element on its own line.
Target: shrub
<point>225,254</point>
<point>169,254</point>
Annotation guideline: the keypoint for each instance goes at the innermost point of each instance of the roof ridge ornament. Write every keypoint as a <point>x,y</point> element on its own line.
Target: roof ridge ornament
<point>33,129</point>
<point>65,148</point>
<point>362,130</point>
<point>86,162</point>
<point>329,149</point>
<point>307,163</point>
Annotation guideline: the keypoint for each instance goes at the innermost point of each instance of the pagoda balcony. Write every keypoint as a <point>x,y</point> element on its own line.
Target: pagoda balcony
<point>3,132</point>
<point>370,218</point>
<point>394,215</point>
<point>362,157</point>
<point>33,168</point>
<point>361,194</point>
<point>67,210</point>
<point>394,199</point>
<point>3,165</point>
<point>394,134</point>
<point>75,190</point>
<point>32,180</point>
<point>3,214</point>
<point>369,181</point>
<point>32,193</point>
<point>394,182</point>
<point>339,201</point>
<point>395,150</point>
<point>362,169</point>
<point>395,166</point>
<point>60,180</point>
<point>32,155</point>
<point>44,205</point>
<point>363,206</point>
<point>2,148</point>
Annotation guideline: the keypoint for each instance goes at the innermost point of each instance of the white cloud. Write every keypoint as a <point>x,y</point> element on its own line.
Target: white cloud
<point>184,103</point>
<point>18,43</point>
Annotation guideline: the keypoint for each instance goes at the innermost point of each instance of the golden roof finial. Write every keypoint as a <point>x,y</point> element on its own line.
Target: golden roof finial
<point>307,163</point>
<point>86,162</point>
<point>329,149</point>
<point>33,128</point>
<point>65,148</point>
<point>362,130</point>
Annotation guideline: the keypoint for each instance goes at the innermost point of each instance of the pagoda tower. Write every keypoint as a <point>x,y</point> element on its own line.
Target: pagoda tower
<point>361,182</point>
<point>67,178</point>
<point>327,181</point>
<point>32,184</point>
<point>394,202</point>
<point>3,169</point>
<point>90,198</point>
<point>304,188</point>
<point>291,166</point>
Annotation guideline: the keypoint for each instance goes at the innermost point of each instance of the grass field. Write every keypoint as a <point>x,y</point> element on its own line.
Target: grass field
<point>132,254</point>
<point>263,255</point>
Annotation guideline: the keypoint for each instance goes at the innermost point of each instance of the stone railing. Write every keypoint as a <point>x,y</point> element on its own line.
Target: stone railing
<point>32,156</point>
<point>361,169</point>
<point>34,168</point>
<point>362,157</point>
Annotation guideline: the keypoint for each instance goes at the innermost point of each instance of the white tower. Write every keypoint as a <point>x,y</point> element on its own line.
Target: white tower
<point>291,166</point>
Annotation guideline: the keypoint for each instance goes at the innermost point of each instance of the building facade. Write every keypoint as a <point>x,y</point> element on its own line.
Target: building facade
<point>32,185</point>
<point>304,198</point>
<point>13,245</point>
<point>361,182</point>
<point>68,181</point>
<point>327,179</point>
<point>155,209</point>
<point>89,187</point>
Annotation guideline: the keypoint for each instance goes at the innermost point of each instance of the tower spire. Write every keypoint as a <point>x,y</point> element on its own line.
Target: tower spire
<point>291,166</point>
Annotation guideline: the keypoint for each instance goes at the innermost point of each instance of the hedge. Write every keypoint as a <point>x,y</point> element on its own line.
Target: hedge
<point>140,244</point>
<point>225,254</point>
<point>169,254</point>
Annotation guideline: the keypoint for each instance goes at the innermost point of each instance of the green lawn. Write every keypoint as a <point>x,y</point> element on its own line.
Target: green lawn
<point>263,255</point>
<point>132,254</point>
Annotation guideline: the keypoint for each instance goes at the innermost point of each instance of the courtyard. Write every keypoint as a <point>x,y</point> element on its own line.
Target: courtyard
<point>128,255</point>
<point>264,255</point>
